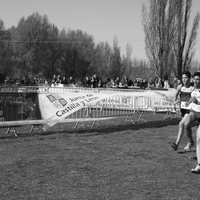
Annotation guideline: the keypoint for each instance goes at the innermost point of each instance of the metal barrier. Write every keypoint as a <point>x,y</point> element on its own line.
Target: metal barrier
<point>63,89</point>
<point>128,106</point>
<point>83,89</point>
<point>19,106</point>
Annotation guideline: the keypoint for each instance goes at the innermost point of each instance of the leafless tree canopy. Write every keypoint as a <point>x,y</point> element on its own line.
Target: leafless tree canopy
<point>169,46</point>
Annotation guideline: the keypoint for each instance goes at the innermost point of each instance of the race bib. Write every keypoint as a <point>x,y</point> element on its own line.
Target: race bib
<point>184,106</point>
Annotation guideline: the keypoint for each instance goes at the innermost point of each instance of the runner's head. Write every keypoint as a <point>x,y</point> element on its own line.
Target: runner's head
<point>196,79</point>
<point>186,76</point>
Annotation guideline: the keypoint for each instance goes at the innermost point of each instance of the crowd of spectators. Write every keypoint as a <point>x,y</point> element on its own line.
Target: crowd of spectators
<point>94,82</point>
<point>26,82</point>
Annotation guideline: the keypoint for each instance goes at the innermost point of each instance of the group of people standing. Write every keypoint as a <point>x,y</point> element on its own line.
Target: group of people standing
<point>57,79</point>
<point>94,81</point>
<point>188,98</point>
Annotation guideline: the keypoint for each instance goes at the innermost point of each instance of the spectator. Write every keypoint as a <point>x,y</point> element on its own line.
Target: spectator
<point>167,84</point>
<point>94,81</point>
<point>87,81</point>
<point>144,84</point>
<point>130,83</point>
<point>72,80</point>
<point>46,82</point>
<point>117,81</point>
<point>151,83</point>
<point>176,83</point>
<point>140,83</point>
<point>58,80</point>
<point>159,83</point>
<point>34,81</point>
<point>53,81</point>
<point>64,80</point>
<point>125,81</point>
<point>135,83</point>
<point>111,84</point>
<point>27,81</point>
<point>100,83</point>
<point>107,80</point>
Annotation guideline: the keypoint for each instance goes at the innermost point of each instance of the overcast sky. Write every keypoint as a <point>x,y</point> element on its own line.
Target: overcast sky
<point>103,19</point>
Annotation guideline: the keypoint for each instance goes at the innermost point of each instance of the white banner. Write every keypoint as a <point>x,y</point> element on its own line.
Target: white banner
<point>60,105</point>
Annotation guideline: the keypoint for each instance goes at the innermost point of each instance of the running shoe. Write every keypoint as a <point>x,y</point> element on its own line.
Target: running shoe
<point>174,146</point>
<point>196,170</point>
<point>189,146</point>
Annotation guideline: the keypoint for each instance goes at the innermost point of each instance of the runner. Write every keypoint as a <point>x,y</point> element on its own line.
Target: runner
<point>194,115</point>
<point>184,92</point>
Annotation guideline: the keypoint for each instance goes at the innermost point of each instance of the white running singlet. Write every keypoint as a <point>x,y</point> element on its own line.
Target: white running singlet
<point>185,95</point>
<point>195,93</point>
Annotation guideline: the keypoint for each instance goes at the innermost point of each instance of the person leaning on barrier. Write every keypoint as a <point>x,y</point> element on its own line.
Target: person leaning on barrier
<point>182,96</point>
<point>94,81</point>
<point>106,80</point>
<point>151,83</point>
<point>167,84</point>
<point>176,82</point>
<point>58,80</point>
<point>159,83</point>
<point>64,81</point>
<point>87,82</point>
<point>72,81</point>
<point>53,81</point>
<point>111,84</point>
<point>125,81</point>
<point>117,81</point>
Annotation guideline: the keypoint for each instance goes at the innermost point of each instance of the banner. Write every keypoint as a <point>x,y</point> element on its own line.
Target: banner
<point>19,106</point>
<point>61,105</point>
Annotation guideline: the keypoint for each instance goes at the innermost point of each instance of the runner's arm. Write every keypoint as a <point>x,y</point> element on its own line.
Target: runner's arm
<point>177,93</point>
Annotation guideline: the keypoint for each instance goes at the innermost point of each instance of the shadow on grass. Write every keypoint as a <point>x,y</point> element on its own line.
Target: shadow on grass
<point>135,126</point>
<point>100,129</point>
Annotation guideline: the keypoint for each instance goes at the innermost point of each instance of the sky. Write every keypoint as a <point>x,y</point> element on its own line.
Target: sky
<point>103,19</point>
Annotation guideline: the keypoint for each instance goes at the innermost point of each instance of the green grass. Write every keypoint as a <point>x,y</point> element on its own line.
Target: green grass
<point>114,160</point>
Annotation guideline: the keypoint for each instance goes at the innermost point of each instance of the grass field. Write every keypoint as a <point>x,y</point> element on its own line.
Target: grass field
<point>113,161</point>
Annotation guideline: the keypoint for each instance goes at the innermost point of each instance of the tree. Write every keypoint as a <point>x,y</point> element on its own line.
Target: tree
<point>53,52</point>
<point>195,66</point>
<point>6,52</point>
<point>77,50</point>
<point>127,62</point>
<point>101,59</point>
<point>140,69</point>
<point>158,24</point>
<point>165,27</point>
<point>184,42</point>
<point>31,40</point>
<point>115,68</point>
<point>2,47</point>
